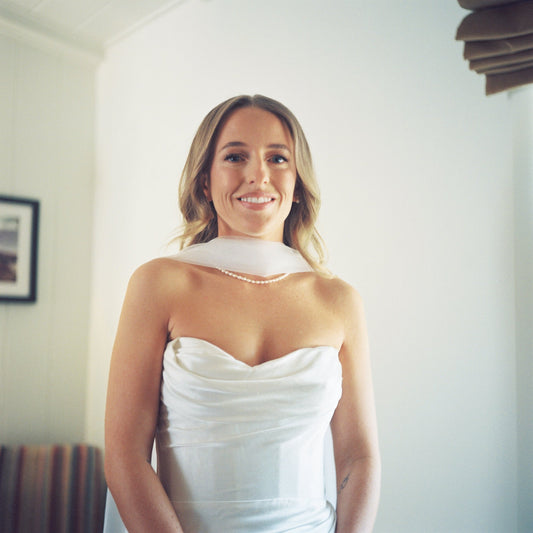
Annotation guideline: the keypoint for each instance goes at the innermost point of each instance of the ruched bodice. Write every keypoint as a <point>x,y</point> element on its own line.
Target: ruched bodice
<point>240,448</point>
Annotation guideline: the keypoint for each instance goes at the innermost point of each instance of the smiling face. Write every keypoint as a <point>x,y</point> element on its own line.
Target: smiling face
<point>253,175</point>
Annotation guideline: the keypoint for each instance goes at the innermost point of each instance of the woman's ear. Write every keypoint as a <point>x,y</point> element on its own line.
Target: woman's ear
<point>296,193</point>
<point>206,189</point>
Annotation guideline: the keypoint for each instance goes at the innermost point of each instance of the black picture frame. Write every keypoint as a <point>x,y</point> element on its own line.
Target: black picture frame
<point>19,228</point>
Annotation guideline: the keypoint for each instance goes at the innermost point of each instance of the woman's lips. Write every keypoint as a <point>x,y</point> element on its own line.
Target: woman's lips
<point>256,199</point>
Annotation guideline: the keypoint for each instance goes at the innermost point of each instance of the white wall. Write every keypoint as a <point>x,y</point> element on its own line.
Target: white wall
<point>47,153</point>
<point>415,168</point>
<point>522,113</point>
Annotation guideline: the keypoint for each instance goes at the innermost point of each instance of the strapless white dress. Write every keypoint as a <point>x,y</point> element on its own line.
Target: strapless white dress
<point>240,449</point>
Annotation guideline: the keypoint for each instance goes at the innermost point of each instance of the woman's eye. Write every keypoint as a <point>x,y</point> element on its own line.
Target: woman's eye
<point>233,158</point>
<point>278,159</point>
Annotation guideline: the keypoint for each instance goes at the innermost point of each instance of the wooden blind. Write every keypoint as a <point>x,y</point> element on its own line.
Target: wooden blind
<point>498,41</point>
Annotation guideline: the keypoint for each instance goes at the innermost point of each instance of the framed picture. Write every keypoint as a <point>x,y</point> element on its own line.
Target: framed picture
<point>19,226</point>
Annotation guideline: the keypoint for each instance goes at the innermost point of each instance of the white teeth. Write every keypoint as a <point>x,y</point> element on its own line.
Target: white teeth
<point>256,199</point>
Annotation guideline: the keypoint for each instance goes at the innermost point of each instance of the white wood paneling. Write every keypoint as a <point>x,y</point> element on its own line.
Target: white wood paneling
<point>47,121</point>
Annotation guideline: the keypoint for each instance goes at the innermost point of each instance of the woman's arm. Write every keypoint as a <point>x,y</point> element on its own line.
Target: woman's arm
<point>133,404</point>
<point>354,428</point>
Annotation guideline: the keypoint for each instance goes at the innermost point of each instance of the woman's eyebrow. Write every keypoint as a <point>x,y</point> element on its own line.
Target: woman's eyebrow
<point>231,144</point>
<point>279,147</point>
<point>275,146</point>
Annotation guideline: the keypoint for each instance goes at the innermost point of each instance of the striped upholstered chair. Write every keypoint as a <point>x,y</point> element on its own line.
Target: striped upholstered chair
<point>51,489</point>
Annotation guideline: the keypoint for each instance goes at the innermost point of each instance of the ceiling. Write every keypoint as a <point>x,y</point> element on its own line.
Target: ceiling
<point>90,24</point>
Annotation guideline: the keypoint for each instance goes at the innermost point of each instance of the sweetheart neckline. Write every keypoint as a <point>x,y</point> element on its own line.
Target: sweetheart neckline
<point>233,358</point>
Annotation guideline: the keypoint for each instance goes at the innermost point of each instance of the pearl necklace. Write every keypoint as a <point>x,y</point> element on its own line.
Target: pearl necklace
<point>254,281</point>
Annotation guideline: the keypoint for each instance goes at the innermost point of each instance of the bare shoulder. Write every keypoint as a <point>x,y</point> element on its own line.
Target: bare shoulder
<point>156,267</point>
<point>160,271</point>
<point>154,283</point>
<point>340,295</point>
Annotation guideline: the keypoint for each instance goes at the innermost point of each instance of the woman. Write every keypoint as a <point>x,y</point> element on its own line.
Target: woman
<point>232,353</point>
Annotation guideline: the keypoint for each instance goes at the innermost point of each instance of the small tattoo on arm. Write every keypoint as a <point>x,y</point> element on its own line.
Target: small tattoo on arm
<point>344,482</point>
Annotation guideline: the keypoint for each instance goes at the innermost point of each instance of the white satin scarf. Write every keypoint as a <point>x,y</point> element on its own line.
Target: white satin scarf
<point>245,255</point>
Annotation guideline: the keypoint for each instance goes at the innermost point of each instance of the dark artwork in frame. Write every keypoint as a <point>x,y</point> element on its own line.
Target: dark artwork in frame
<point>19,228</point>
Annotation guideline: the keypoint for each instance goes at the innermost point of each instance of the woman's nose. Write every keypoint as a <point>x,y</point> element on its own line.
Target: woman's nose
<point>258,172</point>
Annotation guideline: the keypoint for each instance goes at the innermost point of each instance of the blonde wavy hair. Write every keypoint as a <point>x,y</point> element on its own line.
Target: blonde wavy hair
<point>199,215</point>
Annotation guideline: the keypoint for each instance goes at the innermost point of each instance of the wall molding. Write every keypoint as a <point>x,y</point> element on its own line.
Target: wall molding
<point>54,40</point>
